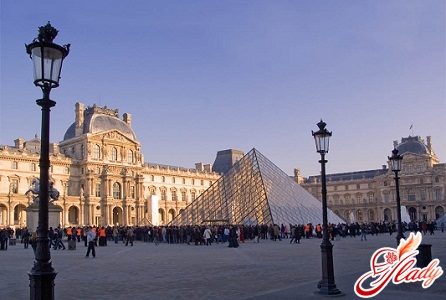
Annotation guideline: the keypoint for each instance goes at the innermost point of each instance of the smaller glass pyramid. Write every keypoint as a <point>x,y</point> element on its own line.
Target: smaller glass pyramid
<point>254,191</point>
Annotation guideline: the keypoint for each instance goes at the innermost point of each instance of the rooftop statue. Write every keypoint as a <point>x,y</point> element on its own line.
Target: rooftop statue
<point>35,188</point>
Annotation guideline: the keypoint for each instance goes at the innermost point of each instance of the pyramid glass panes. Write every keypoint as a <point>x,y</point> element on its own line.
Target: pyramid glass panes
<point>254,191</point>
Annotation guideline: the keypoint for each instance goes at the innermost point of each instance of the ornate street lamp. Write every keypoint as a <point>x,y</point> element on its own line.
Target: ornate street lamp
<point>395,163</point>
<point>327,285</point>
<point>47,60</point>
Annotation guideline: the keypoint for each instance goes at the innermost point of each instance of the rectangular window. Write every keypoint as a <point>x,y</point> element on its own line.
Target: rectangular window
<point>192,195</point>
<point>14,165</point>
<point>346,187</point>
<point>174,196</point>
<point>423,194</point>
<point>14,186</point>
<point>98,190</point>
<point>32,167</point>
<point>132,191</point>
<point>163,195</point>
<point>183,196</point>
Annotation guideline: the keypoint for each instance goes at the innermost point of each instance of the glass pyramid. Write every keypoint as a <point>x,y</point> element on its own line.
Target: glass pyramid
<point>254,191</point>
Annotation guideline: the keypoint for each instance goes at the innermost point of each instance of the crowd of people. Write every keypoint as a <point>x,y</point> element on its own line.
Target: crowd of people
<point>93,236</point>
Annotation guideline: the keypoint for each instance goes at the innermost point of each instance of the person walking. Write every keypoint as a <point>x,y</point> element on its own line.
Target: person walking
<point>33,242</point>
<point>129,236</point>
<point>91,236</point>
<point>115,234</point>
<point>207,236</point>
<point>363,229</point>
<point>25,238</point>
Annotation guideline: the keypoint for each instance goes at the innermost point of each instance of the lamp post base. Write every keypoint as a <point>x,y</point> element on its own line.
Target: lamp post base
<point>328,290</point>
<point>327,285</point>
<point>41,285</point>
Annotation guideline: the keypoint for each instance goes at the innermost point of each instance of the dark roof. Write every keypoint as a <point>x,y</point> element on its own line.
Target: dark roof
<point>97,123</point>
<point>412,144</point>
<point>360,175</point>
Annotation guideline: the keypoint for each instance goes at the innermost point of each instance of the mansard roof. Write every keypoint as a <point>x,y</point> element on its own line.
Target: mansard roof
<point>101,119</point>
<point>359,175</point>
<point>412,144</point>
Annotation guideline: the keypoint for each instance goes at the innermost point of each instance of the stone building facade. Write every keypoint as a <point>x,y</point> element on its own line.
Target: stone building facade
<point>370,196</point>
<point>101,175</point>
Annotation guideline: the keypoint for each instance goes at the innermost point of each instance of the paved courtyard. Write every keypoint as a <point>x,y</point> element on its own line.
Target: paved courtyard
<point>269,270</point>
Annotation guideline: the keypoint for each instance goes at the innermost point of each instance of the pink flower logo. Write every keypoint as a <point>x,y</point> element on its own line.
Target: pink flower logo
<point>391,258</point>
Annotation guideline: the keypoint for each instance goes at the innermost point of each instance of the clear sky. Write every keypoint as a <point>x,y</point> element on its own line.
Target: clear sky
<point>203,76</point>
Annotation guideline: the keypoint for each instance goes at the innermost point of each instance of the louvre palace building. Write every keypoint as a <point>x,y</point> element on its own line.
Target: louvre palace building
<point>100,174</point>
<point>102,178</point>
<point>370,196</point>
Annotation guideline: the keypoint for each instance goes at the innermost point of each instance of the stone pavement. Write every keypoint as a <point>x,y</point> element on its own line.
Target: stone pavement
<point>269,270</point>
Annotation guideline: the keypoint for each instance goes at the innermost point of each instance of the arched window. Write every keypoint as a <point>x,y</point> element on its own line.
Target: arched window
<point>116,190</point>
<point>96,151</point>
<point>130,156</point>
<point>114,154</point>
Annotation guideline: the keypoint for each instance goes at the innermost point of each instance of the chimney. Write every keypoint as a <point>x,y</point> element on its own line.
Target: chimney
<point>127,118</point>
<point>199,167</point>
<point>19,143</point>
<point>208,168</point>
<point>395,143</point>
<point>384,167</point>
<point>54,148</point>
<point>429,144</point>
<point>79,122</point>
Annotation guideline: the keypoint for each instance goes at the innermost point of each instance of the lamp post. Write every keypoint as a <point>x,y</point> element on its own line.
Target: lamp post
<point>327,285</point>
<point>395,163</point>
<point>47,60</point>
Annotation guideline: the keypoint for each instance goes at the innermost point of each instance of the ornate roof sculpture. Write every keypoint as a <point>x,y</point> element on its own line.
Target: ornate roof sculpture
<point>254,191</point>
<point>98,119</point>
<point>414,144</point>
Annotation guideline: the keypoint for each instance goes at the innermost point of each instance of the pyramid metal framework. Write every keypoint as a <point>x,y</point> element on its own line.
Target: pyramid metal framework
<point>254,191</point>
